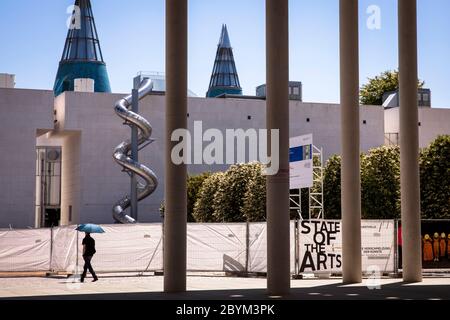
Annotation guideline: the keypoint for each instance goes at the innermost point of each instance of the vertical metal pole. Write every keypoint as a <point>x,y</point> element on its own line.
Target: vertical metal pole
<point>297,246</point>
<point>42,184</point>
<point>350,140</point>
<point>247,246</point>
<point>51,250</point>
<point>76,263</point>
<point>409,142</point>
<point>162,236</point>
<point>321,182</point>
<point>277,55</point>
<point>175,224</point>
<point>309,204</point>
<point>396,262</point>
<point>300,203</point>
<point>134,148</point>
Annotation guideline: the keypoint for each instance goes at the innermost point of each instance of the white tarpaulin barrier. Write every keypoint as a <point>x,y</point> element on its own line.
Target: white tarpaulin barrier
<point>64,250</point>
<point>132,248</point>
<point>378,245</point>
<point>320,245</point>
<point>257,260</point>
<point>120,248</point>
<point>233,247</point>
<point>216,247</point>
<point>25,250</point>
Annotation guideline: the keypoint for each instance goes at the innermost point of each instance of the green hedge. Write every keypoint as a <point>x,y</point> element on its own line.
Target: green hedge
<point>435,179</point>
<point>332,188</point>
<point>203,209</point>
<point>254,207</point>
<point>239,194</point>
<point>380,183</point>
<point>194,184</point>
<point>229,199</point>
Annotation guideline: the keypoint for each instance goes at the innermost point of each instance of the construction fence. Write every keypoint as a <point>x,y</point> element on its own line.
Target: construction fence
<point>211,247</point>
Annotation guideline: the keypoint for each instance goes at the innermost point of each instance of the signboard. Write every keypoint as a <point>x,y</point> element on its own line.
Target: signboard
<point>301,162</point>
<point>320,244</point>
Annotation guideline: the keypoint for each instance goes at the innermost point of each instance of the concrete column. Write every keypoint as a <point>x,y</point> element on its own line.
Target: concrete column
<point>409,141</point>
<point>278,246</point>
<point>175,175</point>
<point>350,174</point>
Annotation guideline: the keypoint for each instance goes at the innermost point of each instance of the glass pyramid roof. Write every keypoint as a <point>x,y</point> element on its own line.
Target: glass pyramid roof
<point>224,78</point>
<point>82,42</point>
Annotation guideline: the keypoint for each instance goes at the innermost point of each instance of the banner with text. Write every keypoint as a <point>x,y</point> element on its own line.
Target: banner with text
<point>320,244</point>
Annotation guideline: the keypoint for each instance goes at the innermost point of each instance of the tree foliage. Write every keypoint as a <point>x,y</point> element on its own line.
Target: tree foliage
<point>194,184</point>
<point>380,183</point>
<point>239,194</point>
<point>372,92</point>
<point>254,208</point>
<point>332,188</point>
<point>230,195</point>
<point>203,209</point>
<point>435,179</point>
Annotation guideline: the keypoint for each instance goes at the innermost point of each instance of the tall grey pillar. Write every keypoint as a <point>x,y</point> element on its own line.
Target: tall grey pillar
<point>277,42</point>
<point>350,177</point>
<point>175,175</point>
<point>409,141</point>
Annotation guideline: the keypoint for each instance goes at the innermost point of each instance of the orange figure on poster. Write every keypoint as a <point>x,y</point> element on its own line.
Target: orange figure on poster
<point>427,248</point>
<point>436,247</point>
<point>448,246</point>
<point>443,245</point>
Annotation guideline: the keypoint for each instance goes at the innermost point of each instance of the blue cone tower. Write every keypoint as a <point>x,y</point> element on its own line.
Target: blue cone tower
<point>224,78</point>
<point>82,56</point>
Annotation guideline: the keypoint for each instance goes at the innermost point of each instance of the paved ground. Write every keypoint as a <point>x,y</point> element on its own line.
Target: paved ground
<point>216,288</point>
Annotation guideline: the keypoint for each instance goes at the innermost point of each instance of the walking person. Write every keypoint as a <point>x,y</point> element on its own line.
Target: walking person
<point>88,253</point>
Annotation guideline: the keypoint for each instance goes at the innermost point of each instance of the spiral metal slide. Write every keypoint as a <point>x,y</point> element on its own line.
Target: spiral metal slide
<point>122,153</point>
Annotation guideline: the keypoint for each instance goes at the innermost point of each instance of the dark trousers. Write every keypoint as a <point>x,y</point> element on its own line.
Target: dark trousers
<point>88,266</point>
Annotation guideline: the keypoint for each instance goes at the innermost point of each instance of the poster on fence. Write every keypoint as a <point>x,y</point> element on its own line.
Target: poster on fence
<point>435,244</point>
<point>320,245</point>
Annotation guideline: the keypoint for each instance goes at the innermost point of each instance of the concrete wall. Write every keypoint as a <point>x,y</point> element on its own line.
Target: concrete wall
<point>392,121</point>
<point>24,112</point>
<point>101,182</point>
<point>71,178</point>
<point>325,125</point>
<point>433,122</point>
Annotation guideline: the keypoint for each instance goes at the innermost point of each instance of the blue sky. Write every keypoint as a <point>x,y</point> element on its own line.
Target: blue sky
<point>32,35</point>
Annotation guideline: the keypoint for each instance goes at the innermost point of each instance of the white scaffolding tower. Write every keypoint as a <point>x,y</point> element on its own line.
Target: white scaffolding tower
<point>316,193</point>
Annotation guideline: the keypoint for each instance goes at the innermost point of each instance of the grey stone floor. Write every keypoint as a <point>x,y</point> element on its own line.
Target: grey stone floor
<point>218,288</point>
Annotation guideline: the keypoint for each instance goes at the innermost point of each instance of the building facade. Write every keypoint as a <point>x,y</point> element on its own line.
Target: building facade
<point>85,130</point>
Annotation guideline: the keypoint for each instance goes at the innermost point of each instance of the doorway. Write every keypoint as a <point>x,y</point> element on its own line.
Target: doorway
<point>48,187</point>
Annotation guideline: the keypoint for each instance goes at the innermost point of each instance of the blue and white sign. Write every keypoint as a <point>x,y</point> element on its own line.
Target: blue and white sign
<point>301,162</point>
